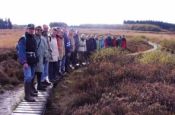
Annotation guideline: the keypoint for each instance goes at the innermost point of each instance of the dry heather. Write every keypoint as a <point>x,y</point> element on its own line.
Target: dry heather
<point>118,85</point>
<point>10,70</point>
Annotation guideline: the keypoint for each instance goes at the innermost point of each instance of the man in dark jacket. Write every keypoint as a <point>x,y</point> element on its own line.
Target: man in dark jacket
<point>108,41</point>
<point>27,47</point>
<point>76,40</point>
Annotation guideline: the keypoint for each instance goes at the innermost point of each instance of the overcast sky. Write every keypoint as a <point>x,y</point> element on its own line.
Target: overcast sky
<point>75,12</point>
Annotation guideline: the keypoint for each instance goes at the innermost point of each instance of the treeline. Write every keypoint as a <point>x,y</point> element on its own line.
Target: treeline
<point>5,24</point>
<point>105,26</point>
<point>162,25</point>
<point>143,27</point>
<point>58,24</point>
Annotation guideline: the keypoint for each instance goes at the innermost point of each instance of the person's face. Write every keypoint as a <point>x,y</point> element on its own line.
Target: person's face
<point>46,29</point>
<point>59,31</point>
<point>38,31</point>
<point>54,32</point>
<point>30,31</point>
<point>71,33</point>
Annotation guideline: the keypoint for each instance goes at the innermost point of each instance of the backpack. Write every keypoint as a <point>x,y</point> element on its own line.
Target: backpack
<point>17,46</point>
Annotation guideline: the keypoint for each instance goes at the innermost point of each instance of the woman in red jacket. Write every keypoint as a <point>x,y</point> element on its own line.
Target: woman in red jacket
<point>123,44</point>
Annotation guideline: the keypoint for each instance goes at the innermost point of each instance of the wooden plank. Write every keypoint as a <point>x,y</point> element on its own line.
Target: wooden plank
<point>31,112</point>
<point>37,103</point>
<point>41,100</point>
<point>25,102</point>
<point>33,104</point>
<point>38,100</point>
<point>25,114</point>
<point>31,107</point>
<point>43,95</point>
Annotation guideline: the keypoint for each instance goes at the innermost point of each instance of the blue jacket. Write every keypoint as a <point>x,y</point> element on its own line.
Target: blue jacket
<point>102,43</point>
<point>21,50</point>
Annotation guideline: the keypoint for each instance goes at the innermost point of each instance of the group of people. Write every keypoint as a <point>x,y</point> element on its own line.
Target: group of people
<point>49,54</point>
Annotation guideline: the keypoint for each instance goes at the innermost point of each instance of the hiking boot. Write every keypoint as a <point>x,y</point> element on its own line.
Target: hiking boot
<point>41,88</point>
<point>29,99</point>
<point>46,83</point>
<point>27,90</point>
<point>34,94</point>
<point>34,91</point>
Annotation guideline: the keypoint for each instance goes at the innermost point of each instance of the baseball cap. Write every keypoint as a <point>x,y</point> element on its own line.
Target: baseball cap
<point>30,26</point>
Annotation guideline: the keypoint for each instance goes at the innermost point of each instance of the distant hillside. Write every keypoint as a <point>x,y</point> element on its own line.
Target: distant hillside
<point>139,27</point>
<point>155,26</point>
<point>162,25</point>
<point>143,27</point>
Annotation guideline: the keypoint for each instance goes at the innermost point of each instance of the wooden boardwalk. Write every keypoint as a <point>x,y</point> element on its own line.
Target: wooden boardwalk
<point>34,108</point>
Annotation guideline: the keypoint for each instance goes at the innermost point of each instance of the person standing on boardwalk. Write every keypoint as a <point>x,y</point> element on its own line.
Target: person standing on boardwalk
<point>61,50</point>
<point>27,57</point>
<point>53,62</point>
<point>41,50</point>
<point>44,77</point>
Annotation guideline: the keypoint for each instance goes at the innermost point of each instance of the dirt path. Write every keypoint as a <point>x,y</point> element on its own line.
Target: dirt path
<point>155,47</point>
<point>10,99</point>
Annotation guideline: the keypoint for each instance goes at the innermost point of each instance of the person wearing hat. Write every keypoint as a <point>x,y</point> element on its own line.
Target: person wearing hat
<point>27,57</point>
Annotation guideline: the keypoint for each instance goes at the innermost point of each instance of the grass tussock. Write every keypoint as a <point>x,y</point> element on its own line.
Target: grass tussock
<point>157,57</point>
<point>169,44</point>
<point>106,53</point>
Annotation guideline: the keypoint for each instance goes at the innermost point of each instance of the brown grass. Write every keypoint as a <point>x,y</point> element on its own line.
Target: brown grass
<point>9,38</point>
<point>154,36</point>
